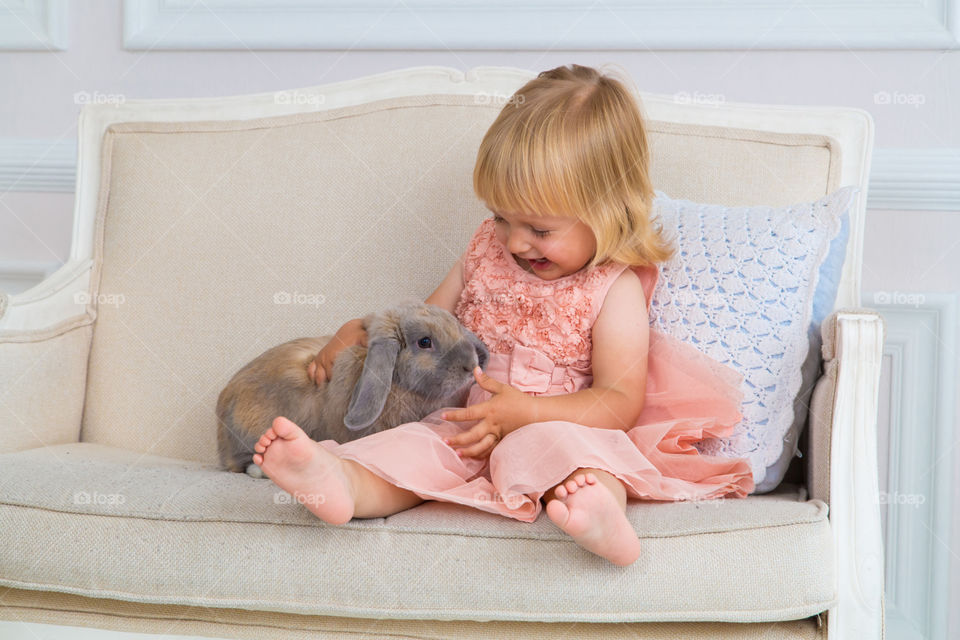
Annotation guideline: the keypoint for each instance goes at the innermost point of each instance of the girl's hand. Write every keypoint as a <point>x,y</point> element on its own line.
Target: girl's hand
<point>508,410</point>
<point>351,333</point>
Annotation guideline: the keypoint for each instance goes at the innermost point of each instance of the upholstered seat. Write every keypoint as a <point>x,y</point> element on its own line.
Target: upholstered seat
<point>194,535</point>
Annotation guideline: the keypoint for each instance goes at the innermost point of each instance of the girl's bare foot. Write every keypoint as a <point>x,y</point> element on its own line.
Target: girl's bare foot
<point>303,468</point>
<point>589,512</point>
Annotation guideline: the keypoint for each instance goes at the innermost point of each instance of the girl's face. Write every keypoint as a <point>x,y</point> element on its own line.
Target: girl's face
<point>548,246</point>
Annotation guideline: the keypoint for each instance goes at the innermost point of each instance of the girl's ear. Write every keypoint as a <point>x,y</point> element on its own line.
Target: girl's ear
<point>370,394</point>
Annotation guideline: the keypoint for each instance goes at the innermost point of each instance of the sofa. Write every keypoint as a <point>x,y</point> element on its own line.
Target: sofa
<point>206,230</point>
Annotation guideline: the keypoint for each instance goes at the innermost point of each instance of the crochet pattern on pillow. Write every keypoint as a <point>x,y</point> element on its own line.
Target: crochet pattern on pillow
<point>740,289</point>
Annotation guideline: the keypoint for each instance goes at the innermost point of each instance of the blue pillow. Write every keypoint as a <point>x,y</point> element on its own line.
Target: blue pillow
<point>824,298</point>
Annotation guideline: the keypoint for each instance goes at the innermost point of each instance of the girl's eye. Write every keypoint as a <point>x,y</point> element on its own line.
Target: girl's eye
<point>424,343</point>
<point>537,232</point>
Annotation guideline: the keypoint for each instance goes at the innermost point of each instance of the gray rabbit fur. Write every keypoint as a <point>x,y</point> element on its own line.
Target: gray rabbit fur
<point>418,359</point>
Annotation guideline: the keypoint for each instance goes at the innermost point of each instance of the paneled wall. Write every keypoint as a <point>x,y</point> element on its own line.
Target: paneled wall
<point>897,59</point>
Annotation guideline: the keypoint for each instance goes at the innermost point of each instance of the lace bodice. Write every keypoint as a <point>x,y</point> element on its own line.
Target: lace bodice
<point>506,305</point>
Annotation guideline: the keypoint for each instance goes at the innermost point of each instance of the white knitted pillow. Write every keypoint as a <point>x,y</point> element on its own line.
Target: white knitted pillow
<point>741,289</point>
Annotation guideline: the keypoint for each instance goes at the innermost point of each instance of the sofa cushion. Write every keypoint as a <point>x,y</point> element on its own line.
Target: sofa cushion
<point>103,522</point>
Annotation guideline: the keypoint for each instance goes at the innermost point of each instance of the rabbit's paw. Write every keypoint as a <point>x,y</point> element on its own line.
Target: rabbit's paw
<point>254,471</point>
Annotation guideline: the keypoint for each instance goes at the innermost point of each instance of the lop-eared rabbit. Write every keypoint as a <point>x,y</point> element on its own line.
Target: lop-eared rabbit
<point>419,359</point>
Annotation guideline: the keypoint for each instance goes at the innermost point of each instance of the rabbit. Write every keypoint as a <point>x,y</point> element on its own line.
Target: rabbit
<point>419,358</point>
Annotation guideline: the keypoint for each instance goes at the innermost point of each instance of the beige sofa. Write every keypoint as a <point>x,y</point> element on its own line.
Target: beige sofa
<point>207,230</point>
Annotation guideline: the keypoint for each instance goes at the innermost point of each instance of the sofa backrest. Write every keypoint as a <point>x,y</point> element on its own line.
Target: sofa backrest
<point>215,240</point>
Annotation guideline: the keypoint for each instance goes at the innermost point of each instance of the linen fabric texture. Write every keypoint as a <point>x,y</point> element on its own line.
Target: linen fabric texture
<point>154,530</point>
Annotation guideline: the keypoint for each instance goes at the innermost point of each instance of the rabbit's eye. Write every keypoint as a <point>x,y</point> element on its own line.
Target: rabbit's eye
<point>424,343</point>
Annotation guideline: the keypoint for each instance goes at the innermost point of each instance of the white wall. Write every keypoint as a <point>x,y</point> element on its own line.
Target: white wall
<point>907,251</point>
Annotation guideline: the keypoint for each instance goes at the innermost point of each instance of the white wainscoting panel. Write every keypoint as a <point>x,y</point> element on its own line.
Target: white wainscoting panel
<point>916,454</point>
<point>16,276</point>
<point>915,179</point>
<point>37,164</point>
<point>33,24</point>
<point>539,24</point>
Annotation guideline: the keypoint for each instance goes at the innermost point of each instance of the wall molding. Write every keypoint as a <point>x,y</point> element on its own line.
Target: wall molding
<point>915,179</point>
<point>17,276</point>
<point>539,24</point>
<point>902,179</point>
<point>920,348</point>
<point>34,24</point>
<point>38,164</point>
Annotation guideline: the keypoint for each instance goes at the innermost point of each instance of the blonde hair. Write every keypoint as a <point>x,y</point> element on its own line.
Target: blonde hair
<point>571,142</point>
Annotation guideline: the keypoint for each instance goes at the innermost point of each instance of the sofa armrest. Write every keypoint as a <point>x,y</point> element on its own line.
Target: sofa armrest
<point>842,468</point>
<point>845,395</point>
<point>45,336</point>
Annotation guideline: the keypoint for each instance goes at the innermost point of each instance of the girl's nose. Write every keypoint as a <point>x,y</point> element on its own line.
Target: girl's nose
<point>516,244</point>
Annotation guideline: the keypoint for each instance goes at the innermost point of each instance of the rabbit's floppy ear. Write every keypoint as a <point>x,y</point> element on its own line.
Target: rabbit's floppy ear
<point>370,394</point>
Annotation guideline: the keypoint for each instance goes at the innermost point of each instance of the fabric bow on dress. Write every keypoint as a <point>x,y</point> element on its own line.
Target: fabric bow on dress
<point>532,371</point>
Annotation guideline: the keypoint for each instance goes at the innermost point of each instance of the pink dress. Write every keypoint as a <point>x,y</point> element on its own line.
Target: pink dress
<point>539,336</point>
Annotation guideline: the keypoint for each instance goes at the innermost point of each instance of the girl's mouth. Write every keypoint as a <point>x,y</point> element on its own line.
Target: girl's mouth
<point>539,264</point>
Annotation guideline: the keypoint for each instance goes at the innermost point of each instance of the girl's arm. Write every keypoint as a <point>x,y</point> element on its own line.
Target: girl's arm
<point>448,293</point>
<point>620,342</point>
<point>351,333</point>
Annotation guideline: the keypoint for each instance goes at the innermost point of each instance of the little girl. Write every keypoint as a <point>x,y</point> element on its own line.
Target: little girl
<point>582,405</point>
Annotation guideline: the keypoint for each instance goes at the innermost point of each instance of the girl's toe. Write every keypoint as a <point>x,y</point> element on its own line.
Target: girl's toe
<point>558,512</point>
<point>571,486</point>
<point>560,492</point>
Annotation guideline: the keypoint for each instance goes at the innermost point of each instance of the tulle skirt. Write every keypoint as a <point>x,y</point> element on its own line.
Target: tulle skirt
<point>688,397</point>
